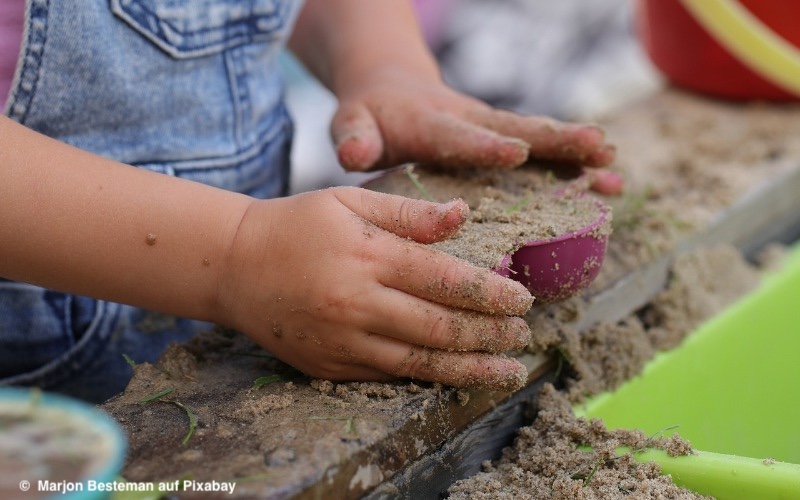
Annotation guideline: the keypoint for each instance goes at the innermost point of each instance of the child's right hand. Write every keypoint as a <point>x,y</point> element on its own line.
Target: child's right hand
<point>338,284</point>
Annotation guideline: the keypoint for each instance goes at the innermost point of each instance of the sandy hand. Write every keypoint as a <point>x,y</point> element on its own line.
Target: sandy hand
<point>338,284</point>
<point>395,119</point>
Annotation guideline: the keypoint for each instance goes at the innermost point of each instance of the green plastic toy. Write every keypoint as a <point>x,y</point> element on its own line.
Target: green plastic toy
<point>732,389</point>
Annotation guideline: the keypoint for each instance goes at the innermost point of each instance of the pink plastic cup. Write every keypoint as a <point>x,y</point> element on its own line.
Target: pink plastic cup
<point>557,269</point>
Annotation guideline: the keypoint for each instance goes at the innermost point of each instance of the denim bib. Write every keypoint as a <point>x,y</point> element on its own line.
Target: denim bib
<point>189,88</point>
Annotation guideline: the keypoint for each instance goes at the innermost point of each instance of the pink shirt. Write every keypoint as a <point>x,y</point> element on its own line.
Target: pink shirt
<point>12,13</point>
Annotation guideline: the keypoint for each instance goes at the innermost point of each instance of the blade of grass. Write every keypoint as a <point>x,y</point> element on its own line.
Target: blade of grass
<point>268,379</point>
<point>409,170</point>
<point>192,419</point>
<point>129,360</point>
<point>158,395</point>
<point>655,435</point>
<point>589,477</point>
<point>516,207</point>
<point>350,426</point>
<point>189,412</point>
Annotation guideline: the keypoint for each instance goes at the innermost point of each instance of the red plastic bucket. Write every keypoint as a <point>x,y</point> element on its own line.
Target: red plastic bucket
<point>691,57</point>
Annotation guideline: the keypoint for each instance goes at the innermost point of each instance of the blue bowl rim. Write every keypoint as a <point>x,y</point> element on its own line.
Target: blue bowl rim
<point>94,418</point>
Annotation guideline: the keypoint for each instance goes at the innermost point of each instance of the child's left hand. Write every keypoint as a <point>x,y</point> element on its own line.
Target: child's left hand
<point>396,117</point>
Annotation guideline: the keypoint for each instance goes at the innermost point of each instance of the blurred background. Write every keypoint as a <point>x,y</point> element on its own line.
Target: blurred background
<point>571,59</point>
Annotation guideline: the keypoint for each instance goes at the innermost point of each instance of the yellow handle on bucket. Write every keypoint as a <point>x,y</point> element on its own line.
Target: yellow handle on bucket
<point>750,40</point>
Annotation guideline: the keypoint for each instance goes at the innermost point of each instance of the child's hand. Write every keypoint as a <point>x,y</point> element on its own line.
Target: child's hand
<point>336,283</point>
<point>395,117</point>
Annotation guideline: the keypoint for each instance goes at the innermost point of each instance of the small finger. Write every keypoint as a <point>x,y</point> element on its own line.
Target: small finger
<point>474,370</point>
<point>448,141</point>
<point>551,139</point>
<point>438,277</point>
<point>421,322</point>
<point>376,357</point>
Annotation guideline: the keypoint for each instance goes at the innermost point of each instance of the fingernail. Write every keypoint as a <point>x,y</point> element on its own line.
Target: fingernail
<point>517,153</point>
<point>602,156</point>
<point>456,204</point>
<point>523,333</point>
<point>600,131</point>
<point>519,143</point>
<point>352,136</point>
<point>512,376</point>
<point>357,151</point>
<point>519,298</point>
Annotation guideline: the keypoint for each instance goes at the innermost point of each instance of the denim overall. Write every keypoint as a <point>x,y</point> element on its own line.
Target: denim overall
<point>188,88</point>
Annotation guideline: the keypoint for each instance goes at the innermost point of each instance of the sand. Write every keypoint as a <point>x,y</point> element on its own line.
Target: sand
<point>562,457</point>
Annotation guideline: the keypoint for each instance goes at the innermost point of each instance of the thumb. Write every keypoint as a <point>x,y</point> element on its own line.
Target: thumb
<point>356,136</point>
<point>419,220</point>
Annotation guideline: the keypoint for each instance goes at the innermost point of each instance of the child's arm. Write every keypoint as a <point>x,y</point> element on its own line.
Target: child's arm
<point>393,106</point>
<point>330,281</point>
<point>83,224</point>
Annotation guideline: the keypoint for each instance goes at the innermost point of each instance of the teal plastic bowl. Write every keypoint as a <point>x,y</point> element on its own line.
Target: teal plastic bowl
<point>732,391</point>
<point>52,446</point>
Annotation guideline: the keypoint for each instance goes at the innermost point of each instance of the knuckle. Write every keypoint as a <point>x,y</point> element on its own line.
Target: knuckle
<point>367,204</point>
<point>406,214</point>
<point>455,284</point>
<point>415,365</point>
<point>449,276</point>
<point>345,308</point>
<point>438,331</point>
